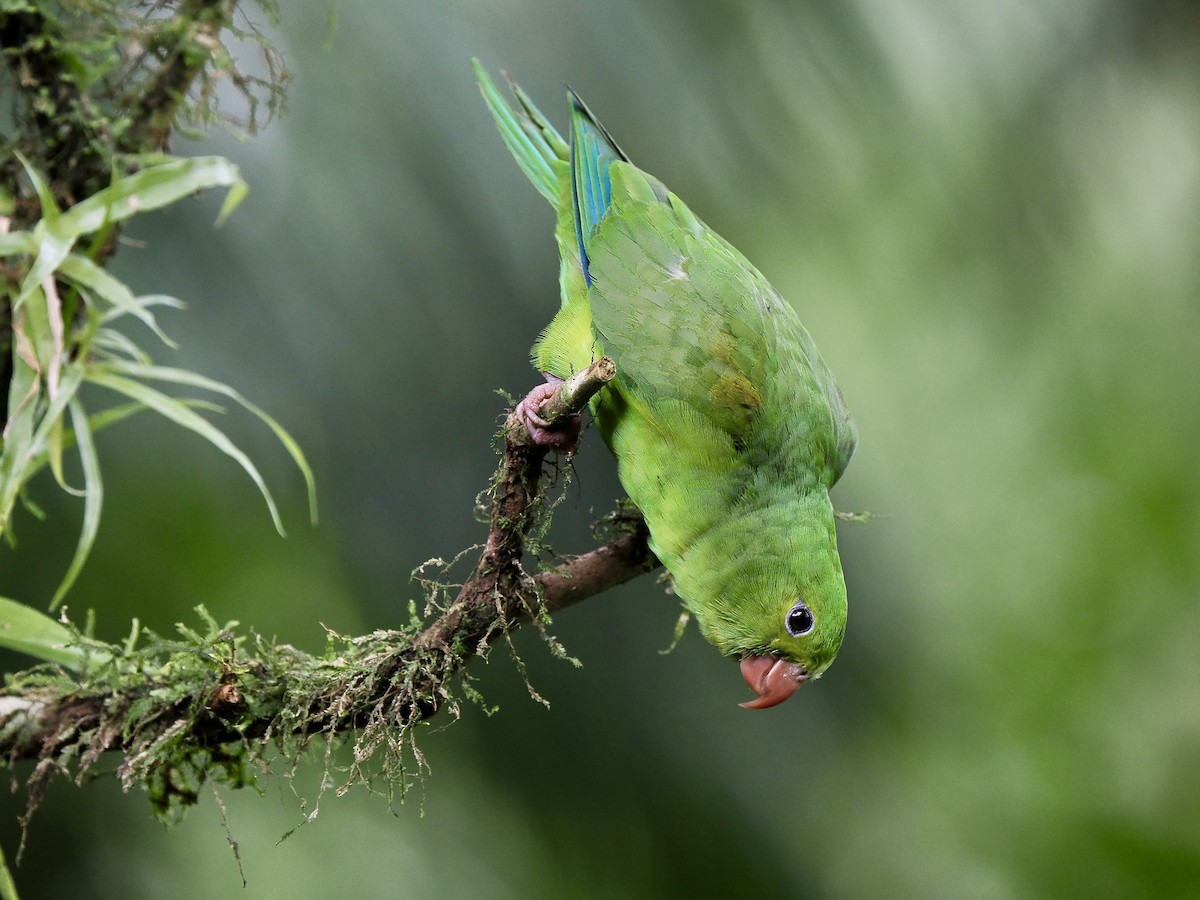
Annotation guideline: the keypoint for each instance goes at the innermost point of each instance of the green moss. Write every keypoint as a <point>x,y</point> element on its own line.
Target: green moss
<point>216,703</point>
<point>92,86</point>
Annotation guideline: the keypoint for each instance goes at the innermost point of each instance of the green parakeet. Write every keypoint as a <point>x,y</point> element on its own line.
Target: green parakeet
<point>726,425</point>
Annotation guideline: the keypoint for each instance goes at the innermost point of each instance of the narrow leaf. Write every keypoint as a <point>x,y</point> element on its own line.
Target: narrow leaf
<point>93,500</point>
<point>82,271</point>
<point>177,411</point>
<point>101,420</point>
<point>34,633</point>
<point>237,193</point>
<point>17,436</point>
<point>54,318</point>
<point>152,188</point>
<point>8,888</point>
<point>67,388</point>
<point>110,342</point>
<point>17,242</point>
<point>52,250</point>
<point>192,379</point>
<point>30,454</point>
<point>50,210</point>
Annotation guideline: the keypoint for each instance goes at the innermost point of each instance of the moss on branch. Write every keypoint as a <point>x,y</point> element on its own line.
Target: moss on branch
<point>221,704</point>
<point>94,94</point>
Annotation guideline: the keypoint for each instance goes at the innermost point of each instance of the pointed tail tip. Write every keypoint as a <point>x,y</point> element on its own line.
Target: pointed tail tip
<point>580,112</point>
<point>576,103</point>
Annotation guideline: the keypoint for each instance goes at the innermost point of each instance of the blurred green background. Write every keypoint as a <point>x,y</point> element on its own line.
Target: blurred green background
<point>988,215</point>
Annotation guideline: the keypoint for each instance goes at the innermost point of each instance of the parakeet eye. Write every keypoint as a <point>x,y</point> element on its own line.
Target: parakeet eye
<point>799,620</point>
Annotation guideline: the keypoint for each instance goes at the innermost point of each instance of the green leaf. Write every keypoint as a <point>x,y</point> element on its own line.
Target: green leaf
<point>55,444</point>
<point>83,272</point>
<point>52,244</point>
<point>18,242</point>
<point>28,435</point>
<point>8,888</point>
<point>182,376</point>
<point>50,210</point>
<point>154,187</point>
<point>52,249</point>
<point>93,499</point>
<point>102,420</point>
<point>36,324</point>
<point>111,343</point>
<point>177,411</point>
<point>34,633</point>
<point>148,300</point>
<point>67,388</point>
<point>19,429</point>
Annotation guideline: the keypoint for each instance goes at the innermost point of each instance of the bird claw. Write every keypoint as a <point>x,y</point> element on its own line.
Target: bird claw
<point>561,438</point>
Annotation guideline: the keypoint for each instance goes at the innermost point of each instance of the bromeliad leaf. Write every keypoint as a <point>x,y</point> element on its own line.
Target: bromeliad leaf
<point>152,188</point>
<point>30,433</point>
<point>93,499</point>
<point>52,250</point>
<point>83,272</point>
<point>60,344</point>
<point>192,379</point>
<point>13,243</point>
<point>23,416</point>
<point>178,412</point>
<point>34,633</point>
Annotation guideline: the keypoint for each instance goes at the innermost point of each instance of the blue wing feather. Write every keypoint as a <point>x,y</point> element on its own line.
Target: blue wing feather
<point>593,151</point>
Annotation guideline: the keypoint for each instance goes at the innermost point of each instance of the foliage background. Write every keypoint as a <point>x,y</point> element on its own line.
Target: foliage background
<point>988,216</point>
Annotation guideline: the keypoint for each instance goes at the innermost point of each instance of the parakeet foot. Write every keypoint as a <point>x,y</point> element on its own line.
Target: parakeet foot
<point>561,438</point>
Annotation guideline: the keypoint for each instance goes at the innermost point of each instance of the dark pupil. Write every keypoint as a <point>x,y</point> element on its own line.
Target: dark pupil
<point>799,621</point>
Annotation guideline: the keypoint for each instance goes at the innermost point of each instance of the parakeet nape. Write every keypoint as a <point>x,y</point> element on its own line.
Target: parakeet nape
<point>727,427</point>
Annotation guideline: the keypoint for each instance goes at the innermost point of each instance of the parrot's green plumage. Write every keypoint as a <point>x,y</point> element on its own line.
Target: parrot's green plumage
<point>727,427</point>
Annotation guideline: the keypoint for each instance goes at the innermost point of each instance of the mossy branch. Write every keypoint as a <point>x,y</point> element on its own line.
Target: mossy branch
<point>187,49</point>
<point>209,706</point>
<point>93,101</point>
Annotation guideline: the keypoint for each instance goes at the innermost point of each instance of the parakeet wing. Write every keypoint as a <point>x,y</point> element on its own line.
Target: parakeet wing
<point>689,320</point>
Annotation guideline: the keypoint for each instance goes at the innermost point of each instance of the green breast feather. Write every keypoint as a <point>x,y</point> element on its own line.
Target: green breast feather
<point>726,425</point>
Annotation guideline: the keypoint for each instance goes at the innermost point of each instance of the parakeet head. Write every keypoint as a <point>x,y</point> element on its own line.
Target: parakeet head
<point>767,587</point>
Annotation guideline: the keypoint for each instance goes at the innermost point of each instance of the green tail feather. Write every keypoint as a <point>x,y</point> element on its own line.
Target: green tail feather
<point>539,149</point>
<point>530,137</point>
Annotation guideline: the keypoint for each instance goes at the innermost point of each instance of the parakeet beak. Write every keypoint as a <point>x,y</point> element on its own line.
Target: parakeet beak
<point>773,678</point>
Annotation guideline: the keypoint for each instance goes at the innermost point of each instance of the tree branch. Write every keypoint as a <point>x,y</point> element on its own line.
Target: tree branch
<point>181,716</point>
<point>210,703</point>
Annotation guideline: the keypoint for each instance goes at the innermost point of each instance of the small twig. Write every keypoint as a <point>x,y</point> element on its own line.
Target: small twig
<point>233,845</point>
<point>572,397</point>
<point>596,572</point>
